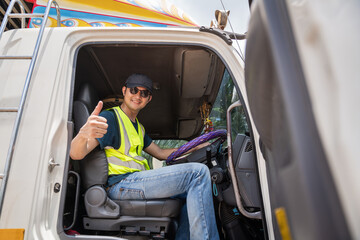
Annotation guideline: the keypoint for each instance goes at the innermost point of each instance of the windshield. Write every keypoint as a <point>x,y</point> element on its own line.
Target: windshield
<point>228,95</point>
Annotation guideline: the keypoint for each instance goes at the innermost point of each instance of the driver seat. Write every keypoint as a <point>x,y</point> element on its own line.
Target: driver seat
<point>142,217</point>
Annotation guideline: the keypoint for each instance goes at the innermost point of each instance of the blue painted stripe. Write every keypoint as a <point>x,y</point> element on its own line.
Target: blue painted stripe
<point>91,17</point>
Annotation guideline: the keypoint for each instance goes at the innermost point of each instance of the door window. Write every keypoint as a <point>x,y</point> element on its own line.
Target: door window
<point>226,96</point>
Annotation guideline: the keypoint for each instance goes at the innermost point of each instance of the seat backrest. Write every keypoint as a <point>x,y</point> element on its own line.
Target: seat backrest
<point>94,167</point>
<point>85,102</point>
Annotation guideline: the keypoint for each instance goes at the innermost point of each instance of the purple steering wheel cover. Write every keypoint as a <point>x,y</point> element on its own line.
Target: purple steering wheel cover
<point>195,142</point>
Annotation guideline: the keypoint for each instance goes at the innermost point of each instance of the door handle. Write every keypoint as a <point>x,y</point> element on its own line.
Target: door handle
<point>52,164</point>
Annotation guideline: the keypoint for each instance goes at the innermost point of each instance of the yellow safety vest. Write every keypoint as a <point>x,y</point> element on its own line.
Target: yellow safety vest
<point>128,157</point>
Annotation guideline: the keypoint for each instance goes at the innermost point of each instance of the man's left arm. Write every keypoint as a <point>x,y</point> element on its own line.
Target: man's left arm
<point>161,154</point>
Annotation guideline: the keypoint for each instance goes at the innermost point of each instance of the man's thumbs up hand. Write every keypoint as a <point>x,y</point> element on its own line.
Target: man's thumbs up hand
<point>96,126</point>
<point>97,109</point>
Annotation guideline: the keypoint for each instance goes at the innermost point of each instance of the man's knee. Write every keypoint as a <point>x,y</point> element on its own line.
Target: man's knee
<point>201,169</point>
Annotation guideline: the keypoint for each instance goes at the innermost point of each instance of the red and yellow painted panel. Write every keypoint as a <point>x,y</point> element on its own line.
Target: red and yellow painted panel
<point>113,13</point>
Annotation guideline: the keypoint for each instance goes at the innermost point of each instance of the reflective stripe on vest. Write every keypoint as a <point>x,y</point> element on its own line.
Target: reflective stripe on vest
<point>128,157</point>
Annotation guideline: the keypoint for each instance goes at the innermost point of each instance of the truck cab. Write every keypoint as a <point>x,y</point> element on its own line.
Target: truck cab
<point>273,165</point>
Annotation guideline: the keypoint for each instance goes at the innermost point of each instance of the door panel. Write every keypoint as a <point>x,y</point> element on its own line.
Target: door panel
<point>302,190</point>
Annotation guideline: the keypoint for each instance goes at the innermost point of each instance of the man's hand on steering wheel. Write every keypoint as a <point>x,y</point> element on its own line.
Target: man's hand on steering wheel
<point>202,145</point>
<point>196,144</point>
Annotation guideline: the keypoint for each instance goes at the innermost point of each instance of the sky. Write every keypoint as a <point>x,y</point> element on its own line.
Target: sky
<point>203,11</point>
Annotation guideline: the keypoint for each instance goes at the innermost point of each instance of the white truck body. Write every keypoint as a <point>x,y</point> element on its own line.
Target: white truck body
<point>328,51</point>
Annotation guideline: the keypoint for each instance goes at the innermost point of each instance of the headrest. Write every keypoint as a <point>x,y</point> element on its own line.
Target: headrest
<point>88,95</point>
<point>86,101</point>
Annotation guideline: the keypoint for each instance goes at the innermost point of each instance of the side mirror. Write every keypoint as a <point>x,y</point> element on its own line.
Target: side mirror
<point>221,18</point>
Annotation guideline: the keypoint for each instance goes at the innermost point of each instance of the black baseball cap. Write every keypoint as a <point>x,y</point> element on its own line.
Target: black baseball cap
<point>139,80</point>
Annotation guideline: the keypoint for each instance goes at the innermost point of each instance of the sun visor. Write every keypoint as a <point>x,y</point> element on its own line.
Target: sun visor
<point>192,73</point>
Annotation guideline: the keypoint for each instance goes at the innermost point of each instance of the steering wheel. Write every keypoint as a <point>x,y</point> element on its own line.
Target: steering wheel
<point>220,134</point>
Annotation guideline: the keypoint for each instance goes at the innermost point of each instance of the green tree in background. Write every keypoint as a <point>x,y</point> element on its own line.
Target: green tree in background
<point>226,96</point>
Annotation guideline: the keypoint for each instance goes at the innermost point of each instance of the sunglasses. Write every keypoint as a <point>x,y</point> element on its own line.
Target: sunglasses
<point>143,93</point>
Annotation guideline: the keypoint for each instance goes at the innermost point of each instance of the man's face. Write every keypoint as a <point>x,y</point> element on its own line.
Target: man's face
<point>134,101</point>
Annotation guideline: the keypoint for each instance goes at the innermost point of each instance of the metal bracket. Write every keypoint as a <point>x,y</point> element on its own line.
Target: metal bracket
<point>224,35</point>
<point>52,164</point>
<point>218,32</point>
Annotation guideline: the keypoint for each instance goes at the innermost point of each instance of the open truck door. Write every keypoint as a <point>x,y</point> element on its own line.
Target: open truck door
<point>290,81</point>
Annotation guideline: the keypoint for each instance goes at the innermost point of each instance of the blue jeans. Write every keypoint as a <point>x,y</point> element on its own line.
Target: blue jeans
<point>191,180</point>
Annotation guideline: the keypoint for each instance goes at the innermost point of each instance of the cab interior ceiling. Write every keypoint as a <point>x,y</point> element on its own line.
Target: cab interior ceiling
<point>184,77</point>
